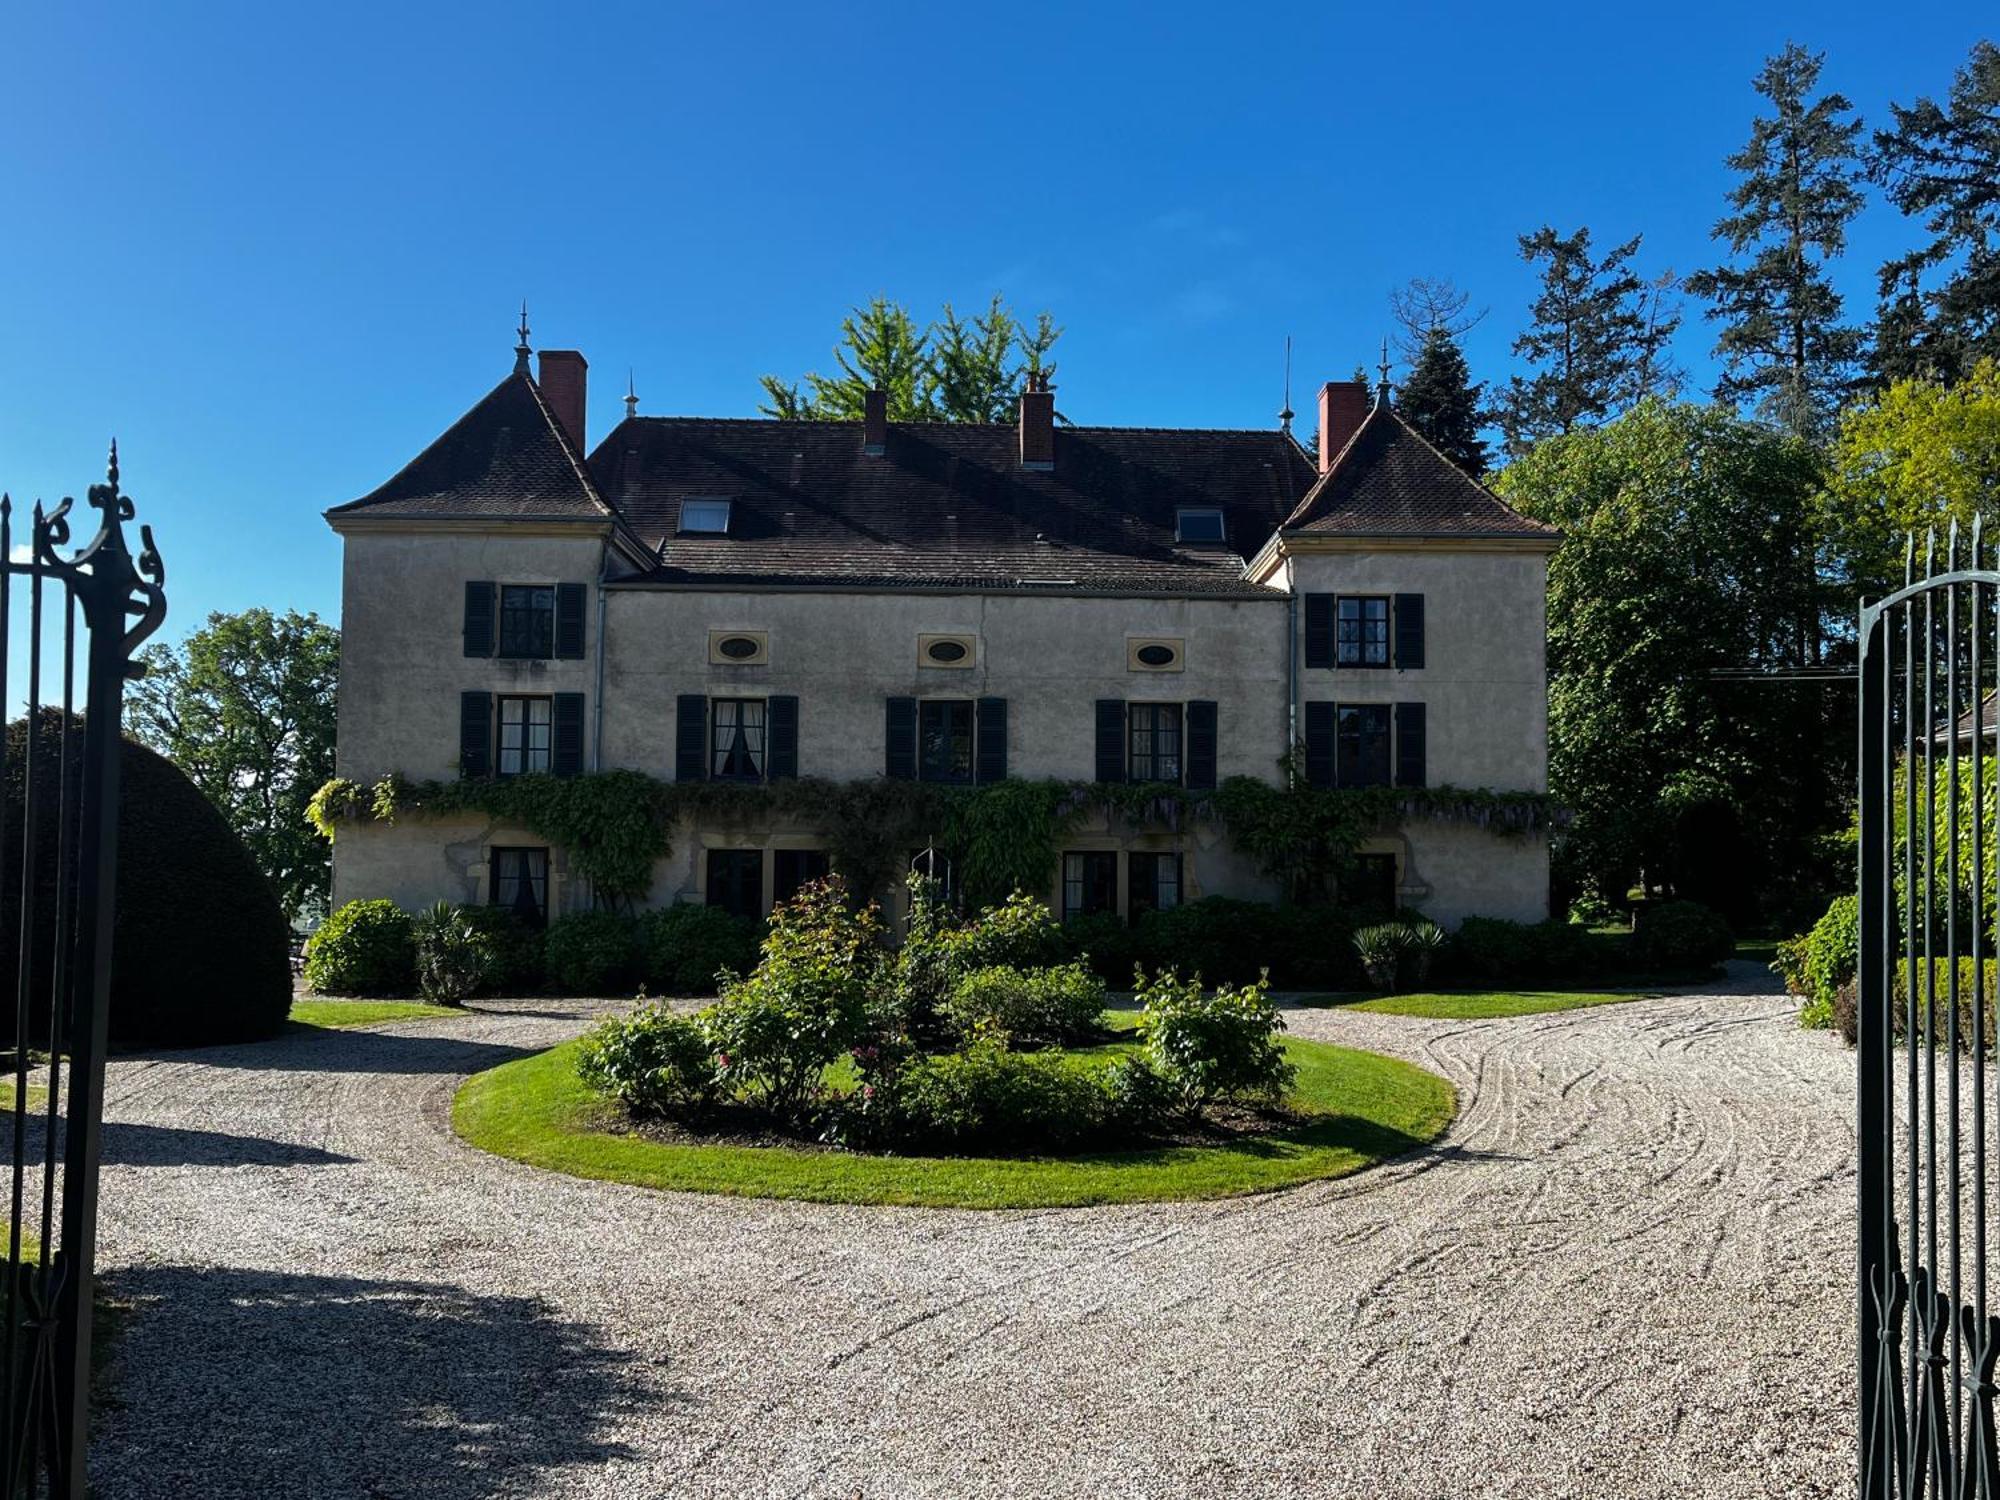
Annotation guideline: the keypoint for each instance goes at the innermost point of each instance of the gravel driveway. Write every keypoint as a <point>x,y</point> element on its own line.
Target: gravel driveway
<point>1625,1273</point>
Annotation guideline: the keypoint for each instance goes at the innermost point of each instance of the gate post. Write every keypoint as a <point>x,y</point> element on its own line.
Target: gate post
<point>1872,1251</point>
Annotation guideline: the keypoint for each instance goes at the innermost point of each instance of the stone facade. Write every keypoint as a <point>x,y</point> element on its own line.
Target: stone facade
<point>843,648</point>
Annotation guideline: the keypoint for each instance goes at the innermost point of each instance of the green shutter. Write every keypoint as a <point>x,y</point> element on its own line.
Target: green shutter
<point>690,737</point>
<point>1200,745</point>
<point>989,761</point>
<point>1319,744</point>
<point>566,752</point>
<point>1409,631</point>
<point>1110,739</point>
<point>1319,630</point>
<point>475,734</point>
<point>479,618</point>
<point>570,600</point>
<point>1410,769</point>
<point>899,739</point>
<point>781,743</point>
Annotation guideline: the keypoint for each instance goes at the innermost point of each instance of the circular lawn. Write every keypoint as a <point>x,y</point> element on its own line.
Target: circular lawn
<point>1351,1108</point>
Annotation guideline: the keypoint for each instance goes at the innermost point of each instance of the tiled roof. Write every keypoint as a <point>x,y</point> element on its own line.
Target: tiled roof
<point>1390,482</point>
<point>949,505</point>
<point>507,457</point>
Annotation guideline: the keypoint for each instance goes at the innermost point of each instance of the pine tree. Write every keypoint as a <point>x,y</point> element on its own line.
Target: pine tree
<point>1943,162</point>
<point>1782,343</point>
<point>955,370</point>
<point>1441,401</point>
<point>1587,337</point>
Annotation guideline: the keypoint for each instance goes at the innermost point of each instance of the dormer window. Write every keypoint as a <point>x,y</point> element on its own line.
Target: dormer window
<point>705,517</point>
<point>1198,523</point>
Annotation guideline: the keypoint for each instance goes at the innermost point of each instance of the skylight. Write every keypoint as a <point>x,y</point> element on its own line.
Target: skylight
<point>1198,523</point>
<point>708,516</point>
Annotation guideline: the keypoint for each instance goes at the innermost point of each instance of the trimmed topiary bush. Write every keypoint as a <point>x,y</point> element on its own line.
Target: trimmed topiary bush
<point>200,944</point>
<point>993,1101</point>
<point>365,948</point>
<point>592,953</point>
<point>512,947</point>
<point>686,947</point>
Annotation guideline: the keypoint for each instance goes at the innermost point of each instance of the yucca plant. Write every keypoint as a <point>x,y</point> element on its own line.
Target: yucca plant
<point>1425,943</point>
<point>1381,949</point>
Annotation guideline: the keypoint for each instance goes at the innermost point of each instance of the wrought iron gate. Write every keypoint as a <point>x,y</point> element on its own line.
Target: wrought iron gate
<point>1928,1338</point>
<point>58,860</point>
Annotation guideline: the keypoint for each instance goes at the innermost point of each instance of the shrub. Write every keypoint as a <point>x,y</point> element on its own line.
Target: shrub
<point>365,948</point>
<point>1817,963</point>
<point>654,1062</point>
<point>1491,951</point>
<point>200,948</point>
<point>1106,943</point>
<point>1019,933</point>
<point>592,953</point>
<point>452,954</point>
<point>1843,1010</point>
<point>1679,935</point>
<point>1141,1101</point>
<point>1040,1006</point>
<point>1213,1046</point>
<point>988,1099</point>
<point>688,947</point>
<point>807,1001</point>
<point>1381,950</point>
<point>513,950</point>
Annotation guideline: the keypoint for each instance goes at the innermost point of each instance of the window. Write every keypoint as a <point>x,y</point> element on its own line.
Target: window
<point>792,869</point>
<point>1153,656</point>
<point>944,739</point>
<point>1372,887</point>
<point>736,881</point>
<point>710,517</point>
<point>1152,883</point>
<point>521,883</point>
<point>528,620</point>
<point>1363,631</point>
<point>1090,884</point>
<point>1154,732</point>
<point>736,739</point>
<point>1198,523</point>
<point>524,735</point>
<point>1363,733</point>
<point>947,650</point>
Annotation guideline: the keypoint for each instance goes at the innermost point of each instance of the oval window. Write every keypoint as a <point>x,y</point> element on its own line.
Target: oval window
<point>737,647</point>
<point>947,651</point>
<point>1156,656</point>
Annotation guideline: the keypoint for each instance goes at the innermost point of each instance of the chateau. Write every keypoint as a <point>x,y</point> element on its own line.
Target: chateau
<point>754,600</point>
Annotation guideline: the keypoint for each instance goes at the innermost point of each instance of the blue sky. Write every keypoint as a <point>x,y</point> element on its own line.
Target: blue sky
<point>277,249</point>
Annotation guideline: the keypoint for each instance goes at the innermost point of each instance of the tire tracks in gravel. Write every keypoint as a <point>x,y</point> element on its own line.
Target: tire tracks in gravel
<point>1572,1292</point>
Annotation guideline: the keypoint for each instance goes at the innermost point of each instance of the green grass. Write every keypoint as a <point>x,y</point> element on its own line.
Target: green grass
<point>1478,1005</point>
<point>1361,1108</point>
<point>338,1013</point>
<point>1757,949</point>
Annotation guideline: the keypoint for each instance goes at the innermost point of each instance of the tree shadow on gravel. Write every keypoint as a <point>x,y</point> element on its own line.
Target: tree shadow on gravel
<point>241,1383</point>
<point>171,1146</point>
<point>321,1050</point>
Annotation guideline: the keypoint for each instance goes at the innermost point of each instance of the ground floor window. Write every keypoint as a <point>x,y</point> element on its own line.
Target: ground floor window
<point>736,881</point>
<point>521,883</point>
<point>1372,887</point>
<point>1152,883</point>
<point>794,868</point>
<point>1090,883</point>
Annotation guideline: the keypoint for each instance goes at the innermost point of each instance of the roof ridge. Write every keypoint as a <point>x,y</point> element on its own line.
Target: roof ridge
<point>577,465</point>
<point>775,422</point>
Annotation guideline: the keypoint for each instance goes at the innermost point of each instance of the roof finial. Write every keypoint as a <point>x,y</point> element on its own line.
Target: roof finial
<point>1285,411</point>
<point>521,350</point>
<point>1382,390</point>
<point>631,395</point>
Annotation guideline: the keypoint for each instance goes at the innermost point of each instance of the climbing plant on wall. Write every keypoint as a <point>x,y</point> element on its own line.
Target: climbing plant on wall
<point>617,825</point>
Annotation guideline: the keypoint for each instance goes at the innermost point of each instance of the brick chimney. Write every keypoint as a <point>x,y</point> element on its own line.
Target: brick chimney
<point>562,383</point>
<point>1343,406</point>
<point>875,423</point>
<point>1038,424</point>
